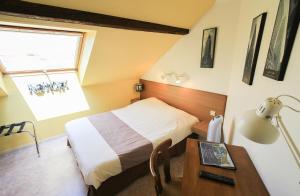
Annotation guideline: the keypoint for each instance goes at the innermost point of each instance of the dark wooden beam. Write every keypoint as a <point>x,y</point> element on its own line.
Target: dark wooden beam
<point>58,14</point>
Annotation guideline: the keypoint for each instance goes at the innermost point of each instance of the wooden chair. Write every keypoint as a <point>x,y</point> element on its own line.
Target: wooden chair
<point>172,186</point>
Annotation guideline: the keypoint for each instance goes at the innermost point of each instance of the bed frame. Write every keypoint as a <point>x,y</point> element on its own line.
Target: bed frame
<point>195,102</point>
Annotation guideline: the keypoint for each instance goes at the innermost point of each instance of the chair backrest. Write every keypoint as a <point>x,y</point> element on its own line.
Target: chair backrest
<point>161,152</point>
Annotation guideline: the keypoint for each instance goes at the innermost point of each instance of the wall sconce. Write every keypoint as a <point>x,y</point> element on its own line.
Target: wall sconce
<point>139,87</point>
<point>173,77</point>
<point>47,87</point>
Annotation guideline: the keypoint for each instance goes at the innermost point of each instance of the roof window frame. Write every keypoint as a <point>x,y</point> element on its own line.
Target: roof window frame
<point>45,31</point>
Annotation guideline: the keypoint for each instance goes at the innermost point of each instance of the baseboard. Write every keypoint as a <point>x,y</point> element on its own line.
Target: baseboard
<point>30,145</point>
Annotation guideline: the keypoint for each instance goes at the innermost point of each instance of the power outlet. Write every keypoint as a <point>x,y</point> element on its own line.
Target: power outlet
<point>212,113</point>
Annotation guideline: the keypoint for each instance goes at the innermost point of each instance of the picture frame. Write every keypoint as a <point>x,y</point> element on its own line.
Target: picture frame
<point>282,40</point>
<point>208,47</point>
<point>256,33</point>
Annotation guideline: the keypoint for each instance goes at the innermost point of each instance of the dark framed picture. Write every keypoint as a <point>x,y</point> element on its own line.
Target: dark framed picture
<point>208,47</point>
<point>256,33</point>
<point>282,40</point>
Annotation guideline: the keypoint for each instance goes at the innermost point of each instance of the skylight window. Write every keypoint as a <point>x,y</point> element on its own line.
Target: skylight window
<point>25,50</point>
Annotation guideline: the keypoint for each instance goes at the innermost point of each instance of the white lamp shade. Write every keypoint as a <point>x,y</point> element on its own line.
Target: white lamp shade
<point>257,129</point>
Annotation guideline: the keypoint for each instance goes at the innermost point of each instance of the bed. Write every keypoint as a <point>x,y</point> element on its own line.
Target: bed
<point>109,143</point>
<point>181,108</point>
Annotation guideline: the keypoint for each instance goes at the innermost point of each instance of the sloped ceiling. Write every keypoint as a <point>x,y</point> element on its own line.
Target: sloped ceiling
<point>122,54</point>
<point>180,13</point>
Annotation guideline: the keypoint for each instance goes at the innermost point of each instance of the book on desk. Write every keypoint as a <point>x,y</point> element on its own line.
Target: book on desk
<point>215,154</point>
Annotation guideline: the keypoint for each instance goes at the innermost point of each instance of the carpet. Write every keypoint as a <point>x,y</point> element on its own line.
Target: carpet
<point>56,173</point>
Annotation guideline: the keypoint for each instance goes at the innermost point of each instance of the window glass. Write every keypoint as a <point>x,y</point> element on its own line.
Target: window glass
<point>26,51</point>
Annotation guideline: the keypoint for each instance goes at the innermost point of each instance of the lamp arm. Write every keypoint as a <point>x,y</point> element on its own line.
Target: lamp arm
<point>291,108</point>
<point>291,144</point>
<point>290,96</point>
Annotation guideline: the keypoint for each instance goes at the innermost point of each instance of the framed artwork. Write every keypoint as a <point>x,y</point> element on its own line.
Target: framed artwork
<point>208,47</point>
<point>283,36</point>
<point>256,33</point>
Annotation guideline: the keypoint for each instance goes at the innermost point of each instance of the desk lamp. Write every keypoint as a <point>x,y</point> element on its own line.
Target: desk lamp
<point>263,124</point>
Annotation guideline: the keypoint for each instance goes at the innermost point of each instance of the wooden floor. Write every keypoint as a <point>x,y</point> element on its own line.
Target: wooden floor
<point>56,173</point>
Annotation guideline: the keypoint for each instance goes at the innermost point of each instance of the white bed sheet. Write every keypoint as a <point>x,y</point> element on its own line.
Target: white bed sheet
<point>152,118</point>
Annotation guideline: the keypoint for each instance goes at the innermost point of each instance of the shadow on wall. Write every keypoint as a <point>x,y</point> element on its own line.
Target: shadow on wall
<point>55,104</point>
<point>231,132</point>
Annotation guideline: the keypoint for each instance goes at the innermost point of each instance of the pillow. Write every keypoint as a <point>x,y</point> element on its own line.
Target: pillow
<point>154,118</point>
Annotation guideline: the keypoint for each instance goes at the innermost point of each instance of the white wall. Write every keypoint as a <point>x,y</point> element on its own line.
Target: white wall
<point>233,18</point>
<point>184,56</point>
<point>274,162</point>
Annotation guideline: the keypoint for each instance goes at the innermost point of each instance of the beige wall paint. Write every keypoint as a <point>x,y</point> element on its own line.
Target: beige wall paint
<point>100,98</point>
<point>2,86</point>
<point>122,54</point>
<point>86,51</point>
<point>274,162</point>
<point>170,12</point>
<point>184,56</point>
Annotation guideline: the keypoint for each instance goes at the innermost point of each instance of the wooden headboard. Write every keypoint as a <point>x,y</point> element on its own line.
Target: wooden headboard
<point>196,102</point>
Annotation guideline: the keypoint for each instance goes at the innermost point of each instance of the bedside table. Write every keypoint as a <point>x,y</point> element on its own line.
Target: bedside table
<point>135,100</point>
<point>200,129</point>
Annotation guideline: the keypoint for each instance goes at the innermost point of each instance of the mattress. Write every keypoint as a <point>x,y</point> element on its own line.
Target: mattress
<point>97,143</point>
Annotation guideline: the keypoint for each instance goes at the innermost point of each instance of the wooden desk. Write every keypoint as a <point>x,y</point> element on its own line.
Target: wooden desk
<point>247,180</point>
